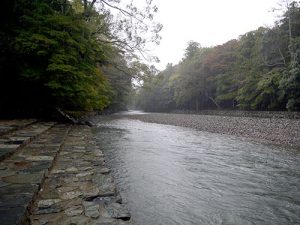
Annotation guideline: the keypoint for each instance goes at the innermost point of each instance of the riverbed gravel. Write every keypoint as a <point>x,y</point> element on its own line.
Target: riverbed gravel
<point>279,131</point>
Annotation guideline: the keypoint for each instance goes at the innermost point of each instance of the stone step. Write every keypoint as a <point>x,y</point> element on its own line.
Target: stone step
<point>22,173</point>
<point>79,188</point>
<point>13,140</point>
<point>7,126</point>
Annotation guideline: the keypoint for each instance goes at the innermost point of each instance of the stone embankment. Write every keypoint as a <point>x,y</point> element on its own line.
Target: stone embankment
<point>55,174</point>
<point>272,130</point>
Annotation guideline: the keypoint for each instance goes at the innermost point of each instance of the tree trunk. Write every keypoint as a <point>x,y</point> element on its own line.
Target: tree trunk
<point>213,100</point>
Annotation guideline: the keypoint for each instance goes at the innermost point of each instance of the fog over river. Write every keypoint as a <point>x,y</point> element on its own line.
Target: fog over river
<point>176,175</point>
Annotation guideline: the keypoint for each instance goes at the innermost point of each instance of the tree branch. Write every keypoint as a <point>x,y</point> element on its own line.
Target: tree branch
<point>93,3</point>
<point>123,11</point>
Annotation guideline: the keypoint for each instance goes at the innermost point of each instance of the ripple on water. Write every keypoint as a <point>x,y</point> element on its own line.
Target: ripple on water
<point>174,175</point>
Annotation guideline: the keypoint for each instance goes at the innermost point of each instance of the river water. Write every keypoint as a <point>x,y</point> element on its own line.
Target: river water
<point>175,175</point>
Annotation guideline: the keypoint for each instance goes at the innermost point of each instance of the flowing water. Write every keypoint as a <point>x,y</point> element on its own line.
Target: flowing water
<point>175,175</point>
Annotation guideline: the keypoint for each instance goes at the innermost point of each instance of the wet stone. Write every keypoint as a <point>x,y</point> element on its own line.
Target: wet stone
<point>11,215</point>
<point>70,195</point>
<point>72,170</point>
<point>9,146</point>
<point>48,210</point>
<point>17,157</point>
<point>105,184</point>
<point>4,152</point>
<point>37,168</point>
<point>86,168</point>
<point>47,203</point>
<point>40,158</point>
<point>84,174</point>
<point>22,164</point>
<point>103,200</point>
<point>78,220</point>
<point>6,173</point>
<point>3,184</point>
<point>91,209</point>
<point>78,189</point>
<point>24,178</point>
<point>65,204</point>
<point>50,218</point>
<point>58,171</point>
<point>104,221</point>
<point>104,170</point>
<point>3,167</point>
<point>49,194</point>
<point>40,222</point>
<point>17,189</point>
<point>65,189</point>
<point>118,211</point>
<point>89,189</point>
<point>15,142</point>
<point>19,199</point>
<point>74,211</point>
<point>18,139</point>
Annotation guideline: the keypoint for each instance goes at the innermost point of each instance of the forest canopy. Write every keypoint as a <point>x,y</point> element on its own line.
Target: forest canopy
<point>258,71</point>
<point>71,54</point>
<point>83,54</point>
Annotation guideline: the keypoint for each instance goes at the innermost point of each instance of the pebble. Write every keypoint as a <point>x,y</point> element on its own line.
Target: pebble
<point>279,131</point>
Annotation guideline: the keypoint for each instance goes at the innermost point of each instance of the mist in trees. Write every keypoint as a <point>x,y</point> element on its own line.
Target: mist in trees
<point>71,54</point>
<point>258,71</point>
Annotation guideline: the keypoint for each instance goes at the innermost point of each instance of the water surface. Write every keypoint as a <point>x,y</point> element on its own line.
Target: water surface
<point>175,175</point>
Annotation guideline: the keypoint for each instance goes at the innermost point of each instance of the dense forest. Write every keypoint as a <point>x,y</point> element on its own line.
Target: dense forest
<point>71,54</point>
<point>82,55</point>
<point>258,71</point>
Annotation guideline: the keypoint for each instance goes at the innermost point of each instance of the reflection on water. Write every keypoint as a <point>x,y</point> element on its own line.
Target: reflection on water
<point>130,112</point>
<point>174,175</point>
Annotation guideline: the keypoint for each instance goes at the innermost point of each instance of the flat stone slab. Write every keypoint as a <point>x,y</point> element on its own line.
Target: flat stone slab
<point>12,141</point>
<point>79,188</point>
<point>18,213</point>
<point>11,125</point>
<point>34,178</point>
<point>55,174</point>
<point>22,173</point>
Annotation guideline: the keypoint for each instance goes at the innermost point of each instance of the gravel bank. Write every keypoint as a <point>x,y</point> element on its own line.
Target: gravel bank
<point>277,131</point>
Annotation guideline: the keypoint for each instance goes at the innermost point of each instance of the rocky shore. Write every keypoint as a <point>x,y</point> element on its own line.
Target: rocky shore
<point>272,130</point>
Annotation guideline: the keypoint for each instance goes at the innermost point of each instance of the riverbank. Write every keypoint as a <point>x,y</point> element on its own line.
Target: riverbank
<point>175,175</point>
<point>53,173</point>
<point>272,130</point>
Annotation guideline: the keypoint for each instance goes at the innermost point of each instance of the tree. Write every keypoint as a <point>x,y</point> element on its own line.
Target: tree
<point>60,53</point>
<point>290,82</point>
<point>258,71</point>
<point>131,28</point>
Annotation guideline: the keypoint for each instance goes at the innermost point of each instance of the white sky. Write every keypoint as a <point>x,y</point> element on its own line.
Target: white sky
<point>209,22</point>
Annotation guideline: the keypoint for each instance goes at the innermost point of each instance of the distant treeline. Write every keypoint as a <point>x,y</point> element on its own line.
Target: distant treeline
<point>70,54</point>
<point>259,71</point>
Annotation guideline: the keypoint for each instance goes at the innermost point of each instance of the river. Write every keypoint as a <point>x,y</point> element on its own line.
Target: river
<point>174,175</point>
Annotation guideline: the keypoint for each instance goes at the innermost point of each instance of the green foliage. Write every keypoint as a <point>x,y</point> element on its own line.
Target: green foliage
<point>259,71</point>
<point>157,91</point>
<point>290,82</point>
<point>56,58</point>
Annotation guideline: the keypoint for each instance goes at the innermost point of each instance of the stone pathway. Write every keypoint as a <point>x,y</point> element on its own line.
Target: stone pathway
<point>13,140</point>
<point>57,176</point>
<point>22,173</point>
<point>79,189</point>
<point>11,125</point>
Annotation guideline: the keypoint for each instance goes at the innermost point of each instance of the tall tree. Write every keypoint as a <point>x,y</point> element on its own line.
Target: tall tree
<point>258,71</point>
<point>56,53</point>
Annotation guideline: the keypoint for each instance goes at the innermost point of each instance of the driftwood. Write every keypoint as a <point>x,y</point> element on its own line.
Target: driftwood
<point>68,118</point>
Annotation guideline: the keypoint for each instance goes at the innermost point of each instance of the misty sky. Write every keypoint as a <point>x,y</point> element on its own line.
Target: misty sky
<point>208,22</point>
